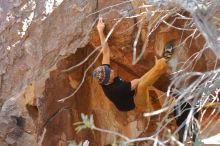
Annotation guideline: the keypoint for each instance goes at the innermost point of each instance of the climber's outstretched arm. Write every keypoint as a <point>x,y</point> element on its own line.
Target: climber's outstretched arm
<point>105,47</point>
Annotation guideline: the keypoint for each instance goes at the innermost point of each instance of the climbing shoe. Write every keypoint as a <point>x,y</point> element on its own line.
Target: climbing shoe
<point>168,50</point>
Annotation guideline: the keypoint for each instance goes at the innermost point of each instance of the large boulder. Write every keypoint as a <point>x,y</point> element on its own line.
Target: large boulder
<point>41,39</point>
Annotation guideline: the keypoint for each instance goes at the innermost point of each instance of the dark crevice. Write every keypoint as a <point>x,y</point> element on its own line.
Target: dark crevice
<point>33,111</point>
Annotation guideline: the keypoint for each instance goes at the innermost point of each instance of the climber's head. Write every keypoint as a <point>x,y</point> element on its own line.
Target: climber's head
<point>104,74</point>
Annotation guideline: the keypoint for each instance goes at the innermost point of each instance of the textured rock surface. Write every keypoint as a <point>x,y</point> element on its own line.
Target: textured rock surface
<point>32,81</point>
<point>29,50</point>
<point>29,58</point>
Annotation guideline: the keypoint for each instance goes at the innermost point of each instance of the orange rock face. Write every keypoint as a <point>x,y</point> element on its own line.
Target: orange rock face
<point>37,104</point>
<point>90,98</point>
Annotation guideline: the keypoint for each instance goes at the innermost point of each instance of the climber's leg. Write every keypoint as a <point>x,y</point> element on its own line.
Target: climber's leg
<point>169,50</point>
<point>155,99</point>
<point>142,100</point>
<point>149,78</point>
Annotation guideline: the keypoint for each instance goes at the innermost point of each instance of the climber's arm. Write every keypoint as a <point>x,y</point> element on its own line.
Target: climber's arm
<point>105,47</point>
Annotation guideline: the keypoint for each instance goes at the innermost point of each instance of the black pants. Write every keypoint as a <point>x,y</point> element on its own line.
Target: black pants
<point>181,113</point>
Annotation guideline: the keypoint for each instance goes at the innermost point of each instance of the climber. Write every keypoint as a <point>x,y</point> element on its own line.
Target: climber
<point>137,94</point>
<point>128,95</point>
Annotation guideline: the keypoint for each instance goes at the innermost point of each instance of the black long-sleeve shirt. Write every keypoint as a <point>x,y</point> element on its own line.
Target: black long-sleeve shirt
<point>120,93</point>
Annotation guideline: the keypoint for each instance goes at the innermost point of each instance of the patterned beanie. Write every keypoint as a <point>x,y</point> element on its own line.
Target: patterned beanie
<point>102,74</point>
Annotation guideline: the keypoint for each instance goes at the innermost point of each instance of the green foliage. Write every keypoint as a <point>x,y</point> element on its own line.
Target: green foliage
<point>73,143</point>
<point>87,122</point>
<point>198,142</point>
